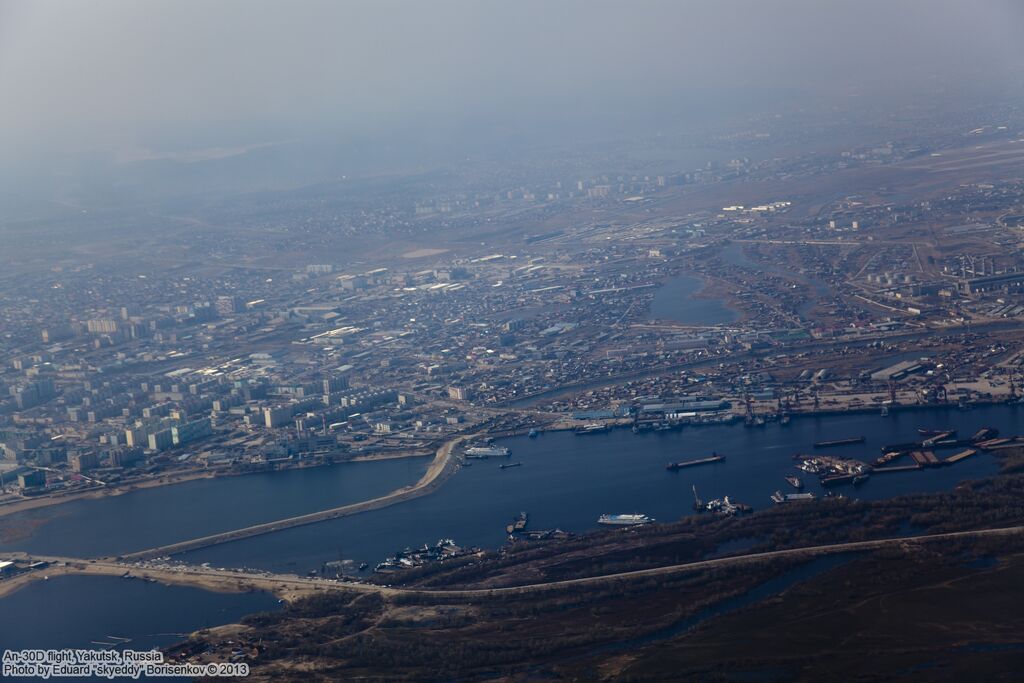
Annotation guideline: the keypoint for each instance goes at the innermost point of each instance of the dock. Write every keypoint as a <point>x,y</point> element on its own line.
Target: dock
<point>960,456</point>
<point>836,479</point>
<point>673,466</point>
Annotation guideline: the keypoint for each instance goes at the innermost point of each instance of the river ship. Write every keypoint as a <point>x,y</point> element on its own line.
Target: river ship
<point>624,520</point>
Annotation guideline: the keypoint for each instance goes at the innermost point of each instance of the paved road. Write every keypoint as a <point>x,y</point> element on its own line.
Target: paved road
<point>296,586</point>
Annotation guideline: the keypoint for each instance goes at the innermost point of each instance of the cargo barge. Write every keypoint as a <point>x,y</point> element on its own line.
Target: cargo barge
<point>935,432</point>
<point>673,466</point>
<point>779,497</point>
<point>839,442</point>
<point>518,524</point>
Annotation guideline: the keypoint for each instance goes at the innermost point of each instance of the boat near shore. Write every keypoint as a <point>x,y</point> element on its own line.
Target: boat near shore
<point>624,520</point>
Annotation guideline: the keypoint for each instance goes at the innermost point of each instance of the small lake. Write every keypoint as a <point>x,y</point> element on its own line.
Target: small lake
<point>91,612</point>
<point>676,300</point>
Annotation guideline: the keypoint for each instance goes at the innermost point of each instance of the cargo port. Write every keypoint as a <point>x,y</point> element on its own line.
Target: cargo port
<point>674,466</point>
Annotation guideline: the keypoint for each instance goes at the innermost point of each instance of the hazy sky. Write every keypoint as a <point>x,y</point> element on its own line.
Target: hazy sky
<point>126,77</point>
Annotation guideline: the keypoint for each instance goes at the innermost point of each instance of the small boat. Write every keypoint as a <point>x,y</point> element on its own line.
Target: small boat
<point>363,566</point>
<point>795,482</point>
<point>533,434</point>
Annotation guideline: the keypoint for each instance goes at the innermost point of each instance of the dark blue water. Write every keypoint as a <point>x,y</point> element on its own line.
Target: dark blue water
<point>567,481</point>
<point>74,611</point>
<point>675,300</point>
<point>153,517</point>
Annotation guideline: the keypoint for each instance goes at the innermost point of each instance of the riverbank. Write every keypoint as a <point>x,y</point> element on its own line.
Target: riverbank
<point>23,504</point>
<point>14,506</point>
<point>284,588</point>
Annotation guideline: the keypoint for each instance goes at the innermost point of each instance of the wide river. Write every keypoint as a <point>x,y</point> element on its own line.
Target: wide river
<point>148,518</point>
<point>565,481</point>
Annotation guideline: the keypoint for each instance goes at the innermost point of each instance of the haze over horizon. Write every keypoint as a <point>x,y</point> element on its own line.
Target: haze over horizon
<point>91,84</point>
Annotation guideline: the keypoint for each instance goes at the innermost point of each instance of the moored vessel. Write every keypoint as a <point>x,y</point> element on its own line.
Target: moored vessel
<point>624,520</point>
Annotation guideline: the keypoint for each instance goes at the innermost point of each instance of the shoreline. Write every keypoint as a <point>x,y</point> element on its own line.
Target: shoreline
<point>14,507</point>
<point>291,587</point>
